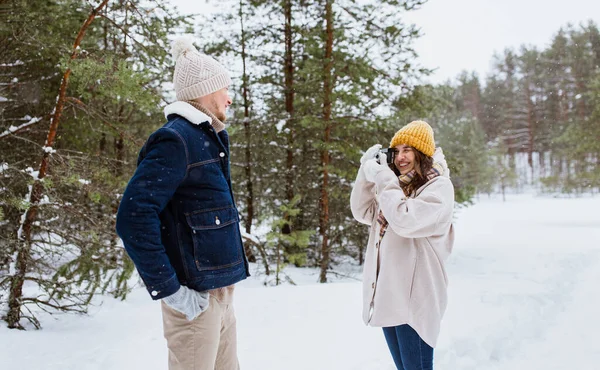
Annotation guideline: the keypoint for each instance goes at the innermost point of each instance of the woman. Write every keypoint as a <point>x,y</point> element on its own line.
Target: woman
<point>408,206</point>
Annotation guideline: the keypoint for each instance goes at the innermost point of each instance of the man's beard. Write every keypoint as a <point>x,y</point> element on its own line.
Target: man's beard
<point>215,110</point>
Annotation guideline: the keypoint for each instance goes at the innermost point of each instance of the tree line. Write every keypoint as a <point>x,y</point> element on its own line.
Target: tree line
<point>541,105</point>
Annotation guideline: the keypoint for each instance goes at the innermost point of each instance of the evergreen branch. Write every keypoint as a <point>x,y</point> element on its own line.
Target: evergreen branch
<point>354,15</point>
<point>142,16</point>
<point>128,34</point>
<point>73,210</point>
<point>84,156</point>
<point>6,278</point>
<point>32,319</point>
<point>339,274</point>
<point>78,103</point>
<point>38,146</point>
<point>79,242</point>
<point>58,307</point>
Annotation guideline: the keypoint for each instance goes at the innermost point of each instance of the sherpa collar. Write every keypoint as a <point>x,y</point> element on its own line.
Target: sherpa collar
<point>193,114</point>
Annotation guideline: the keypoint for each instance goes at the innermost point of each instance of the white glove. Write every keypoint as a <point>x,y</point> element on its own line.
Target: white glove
<point>372,168</point>
<point>189,302</point>
<point>370,153</point>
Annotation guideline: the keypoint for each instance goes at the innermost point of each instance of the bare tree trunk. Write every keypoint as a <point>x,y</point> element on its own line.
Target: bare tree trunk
<point>361,255</point>
<point>13,316</point>
<point>119,154</point>
<point>248,152</point>
<point>289,108</point>
<point>327,89</point>
<point>278,269</point>
<point>530,128</point>
<point>542,164</point>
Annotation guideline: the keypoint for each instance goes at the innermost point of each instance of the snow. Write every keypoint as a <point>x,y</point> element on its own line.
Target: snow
<point>84,182</point>
<point>523,295</point>
<point>12,269</point>
<point>12,129</point>
<point>49,149</point>
<point>34,120</point>
<point>31,172</point>
<point>249,237</point>
<point>26,200</point>
<point>45,200</point>
<point>16,63</point>
<point>280,125</point>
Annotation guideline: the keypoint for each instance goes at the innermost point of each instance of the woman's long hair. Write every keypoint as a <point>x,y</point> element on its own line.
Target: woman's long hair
<point>423,164</point>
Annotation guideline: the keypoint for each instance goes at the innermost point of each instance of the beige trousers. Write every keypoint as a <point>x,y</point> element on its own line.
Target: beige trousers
<point>209,342</point>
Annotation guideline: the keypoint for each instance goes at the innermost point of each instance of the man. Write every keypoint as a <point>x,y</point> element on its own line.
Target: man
<point>178,219</point>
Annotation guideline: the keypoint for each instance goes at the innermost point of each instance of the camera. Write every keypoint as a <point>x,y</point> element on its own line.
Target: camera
<point>388,153</point>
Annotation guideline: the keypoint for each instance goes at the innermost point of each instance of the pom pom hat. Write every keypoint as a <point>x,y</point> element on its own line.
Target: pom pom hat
<point>196,74</point>
<point>417,134</point>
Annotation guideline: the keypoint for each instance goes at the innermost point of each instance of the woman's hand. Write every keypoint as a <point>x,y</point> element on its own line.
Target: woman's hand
<point>372,168</point>
<point>370,153</point>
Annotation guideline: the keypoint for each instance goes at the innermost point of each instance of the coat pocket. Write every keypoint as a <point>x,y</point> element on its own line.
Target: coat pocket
<point>216,238</point>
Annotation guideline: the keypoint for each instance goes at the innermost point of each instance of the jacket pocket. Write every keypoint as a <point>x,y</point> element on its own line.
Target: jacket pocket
<point>216,238</point>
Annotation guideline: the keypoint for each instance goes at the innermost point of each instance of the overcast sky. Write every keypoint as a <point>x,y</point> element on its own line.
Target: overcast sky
<point>464,34</point>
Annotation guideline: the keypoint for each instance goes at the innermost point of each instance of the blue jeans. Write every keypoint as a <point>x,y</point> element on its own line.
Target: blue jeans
<point>408,349</point>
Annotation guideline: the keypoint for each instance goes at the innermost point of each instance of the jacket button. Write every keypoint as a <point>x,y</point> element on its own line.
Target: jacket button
<point>377,245</point>
<point>217,221</point>
<point>222,154</point>
<point>154,293</point>
<point>373,285</point>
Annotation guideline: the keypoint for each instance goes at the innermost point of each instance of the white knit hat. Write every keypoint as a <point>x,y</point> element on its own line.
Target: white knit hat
<point>196,74</point>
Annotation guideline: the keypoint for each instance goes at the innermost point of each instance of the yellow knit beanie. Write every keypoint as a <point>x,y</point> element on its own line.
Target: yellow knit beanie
<point>417,134</point>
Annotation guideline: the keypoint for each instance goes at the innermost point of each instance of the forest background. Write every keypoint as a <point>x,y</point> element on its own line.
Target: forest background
<point>316,83</point>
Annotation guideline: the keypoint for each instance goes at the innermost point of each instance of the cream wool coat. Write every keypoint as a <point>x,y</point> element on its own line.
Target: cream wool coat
<point>411,286</point>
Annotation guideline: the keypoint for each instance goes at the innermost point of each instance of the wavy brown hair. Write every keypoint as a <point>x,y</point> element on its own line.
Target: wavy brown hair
<point>423,164</point>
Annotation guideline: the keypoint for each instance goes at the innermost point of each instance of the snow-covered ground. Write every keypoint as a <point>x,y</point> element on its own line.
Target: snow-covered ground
<point>524,294</point>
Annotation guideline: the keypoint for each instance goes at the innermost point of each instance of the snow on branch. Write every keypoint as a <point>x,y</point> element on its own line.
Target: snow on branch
<point>17,63</point>
<point>249,237</point>
<point>49,150</point>
<point>15,129</point>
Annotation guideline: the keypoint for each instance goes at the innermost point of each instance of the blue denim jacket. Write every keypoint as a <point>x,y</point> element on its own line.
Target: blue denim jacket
<point>177,218</point>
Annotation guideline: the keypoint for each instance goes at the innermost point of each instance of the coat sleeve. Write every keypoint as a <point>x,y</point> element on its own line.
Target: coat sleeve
<point>363,201</point>
<point>428,214</point>
<point>161,169</point>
